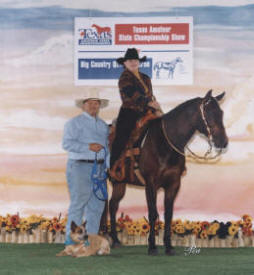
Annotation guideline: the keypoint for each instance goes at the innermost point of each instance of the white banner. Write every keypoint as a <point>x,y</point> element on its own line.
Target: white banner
<point>166,41</point>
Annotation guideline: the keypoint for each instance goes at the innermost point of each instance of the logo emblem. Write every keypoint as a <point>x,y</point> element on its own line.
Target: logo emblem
<point>95,35</point>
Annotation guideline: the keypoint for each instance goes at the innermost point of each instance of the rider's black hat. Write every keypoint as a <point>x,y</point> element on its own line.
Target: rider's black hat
<point>130,54</point>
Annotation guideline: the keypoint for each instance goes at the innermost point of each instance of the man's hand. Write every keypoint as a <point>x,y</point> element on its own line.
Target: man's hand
<point>95,147</point>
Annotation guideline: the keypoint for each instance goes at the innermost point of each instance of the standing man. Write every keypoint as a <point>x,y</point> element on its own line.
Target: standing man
<point>85,137</point>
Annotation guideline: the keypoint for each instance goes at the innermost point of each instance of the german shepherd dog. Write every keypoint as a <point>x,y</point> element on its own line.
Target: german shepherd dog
<point>85,244</point>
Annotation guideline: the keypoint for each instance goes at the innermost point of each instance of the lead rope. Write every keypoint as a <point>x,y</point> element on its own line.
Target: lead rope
<point>99,179</point>
<point>192,154</point>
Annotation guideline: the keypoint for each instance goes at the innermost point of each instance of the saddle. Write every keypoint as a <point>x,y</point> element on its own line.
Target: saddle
<point>126,168</point>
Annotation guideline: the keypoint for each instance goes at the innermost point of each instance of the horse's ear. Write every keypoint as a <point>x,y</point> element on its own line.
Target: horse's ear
<point>219,97</point>
<point>208,94</point>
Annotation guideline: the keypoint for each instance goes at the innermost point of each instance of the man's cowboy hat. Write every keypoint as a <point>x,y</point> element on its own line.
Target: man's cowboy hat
<point>130,54</point>
<point>91,95</point>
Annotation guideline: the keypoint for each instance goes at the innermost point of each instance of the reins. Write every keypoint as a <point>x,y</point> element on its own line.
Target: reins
<point>192,154</point>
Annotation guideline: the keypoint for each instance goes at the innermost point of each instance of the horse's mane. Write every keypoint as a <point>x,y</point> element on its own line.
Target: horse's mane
<point>180,108</point>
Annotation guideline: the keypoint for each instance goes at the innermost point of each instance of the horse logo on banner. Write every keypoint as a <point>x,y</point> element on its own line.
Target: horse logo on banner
<point>95,35</point>
<point>166,66</point>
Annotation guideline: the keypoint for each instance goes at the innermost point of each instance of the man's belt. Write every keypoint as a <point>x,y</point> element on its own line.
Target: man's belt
<point>99,161</point>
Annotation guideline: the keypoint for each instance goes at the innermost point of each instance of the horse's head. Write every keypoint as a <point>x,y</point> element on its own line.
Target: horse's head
<point>212,120</point>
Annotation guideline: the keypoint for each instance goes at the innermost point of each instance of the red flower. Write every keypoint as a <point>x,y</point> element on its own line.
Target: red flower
<point>205,225</point>
<point>127,218</point>
<point>57,227</point>
<point>54,220</point>
<point>247,231</point>
<point>14,220</point>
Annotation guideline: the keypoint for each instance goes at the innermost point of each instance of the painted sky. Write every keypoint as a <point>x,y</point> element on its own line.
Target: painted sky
<point>37,92</point>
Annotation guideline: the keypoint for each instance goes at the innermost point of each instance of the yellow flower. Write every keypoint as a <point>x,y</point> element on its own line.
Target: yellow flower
<point>196,229</point>
<point>233,223</point>
<point>23,228</point>
<point>211,231</point>
<point>8,228</point>
<point>178,221</point>
<point>188,225</point>
<point>145,227</point>
<point>179,229</point>
<point>215,226</point>
<point>232,230</point>
<point>137,228</point>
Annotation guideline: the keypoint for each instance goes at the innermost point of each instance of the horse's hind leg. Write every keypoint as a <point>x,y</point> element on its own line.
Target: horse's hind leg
<point>170,195</point>
<point>151,197</point>
<point>117,194</point>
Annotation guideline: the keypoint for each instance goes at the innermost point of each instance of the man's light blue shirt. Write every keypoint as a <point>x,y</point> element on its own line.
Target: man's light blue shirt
<point>82,130</point>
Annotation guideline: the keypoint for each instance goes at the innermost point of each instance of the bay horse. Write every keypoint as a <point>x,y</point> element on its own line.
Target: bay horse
<point>162,159</point>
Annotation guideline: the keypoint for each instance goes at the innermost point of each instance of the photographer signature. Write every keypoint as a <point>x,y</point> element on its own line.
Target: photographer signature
<point>193,250</point>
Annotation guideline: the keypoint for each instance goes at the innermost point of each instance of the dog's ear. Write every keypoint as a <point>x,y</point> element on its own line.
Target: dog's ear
<point>73,226</point>
<point>84,224</point>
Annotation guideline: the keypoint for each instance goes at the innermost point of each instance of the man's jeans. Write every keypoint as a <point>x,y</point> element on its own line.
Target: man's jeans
<point>83,202</point>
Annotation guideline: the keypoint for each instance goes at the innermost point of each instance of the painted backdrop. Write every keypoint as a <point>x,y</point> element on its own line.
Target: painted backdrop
<point>37,98</point>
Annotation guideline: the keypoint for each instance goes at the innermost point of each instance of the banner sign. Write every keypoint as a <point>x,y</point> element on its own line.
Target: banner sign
<point>166,41</point>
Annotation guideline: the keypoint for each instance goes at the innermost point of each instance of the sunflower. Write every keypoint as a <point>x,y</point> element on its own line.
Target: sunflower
<point>23,228</point>
<point>232,230</point>
<point>215,226</point>
<point>211,231</point>
<point>44,225</point>
<point>137,228</point>
<point>188,225</point>
<point>145,227</point>
<point>179,229</point>
<point>196,229</point>
<point>178,221</point>
<point>8,228</point>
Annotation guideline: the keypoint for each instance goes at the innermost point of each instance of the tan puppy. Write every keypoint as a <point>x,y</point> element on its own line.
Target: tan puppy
<point>85,245</point>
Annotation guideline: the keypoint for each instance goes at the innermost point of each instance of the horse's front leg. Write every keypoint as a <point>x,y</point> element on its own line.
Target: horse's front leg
<point>151,197</point>
<point>117,194</point>
<point>170,195</point>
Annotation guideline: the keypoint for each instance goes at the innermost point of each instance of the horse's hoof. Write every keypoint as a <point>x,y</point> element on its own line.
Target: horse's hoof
<point>153,252</point>
<point>170,252</point>
<point>116,245</point>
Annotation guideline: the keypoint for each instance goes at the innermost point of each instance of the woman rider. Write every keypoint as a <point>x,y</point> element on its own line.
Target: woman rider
<point>137,99</point>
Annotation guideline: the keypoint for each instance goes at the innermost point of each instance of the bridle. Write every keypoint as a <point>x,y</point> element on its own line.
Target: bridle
<point>192,154</point>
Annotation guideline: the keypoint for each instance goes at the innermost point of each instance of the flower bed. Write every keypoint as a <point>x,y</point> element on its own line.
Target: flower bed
<point>38,229</point>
